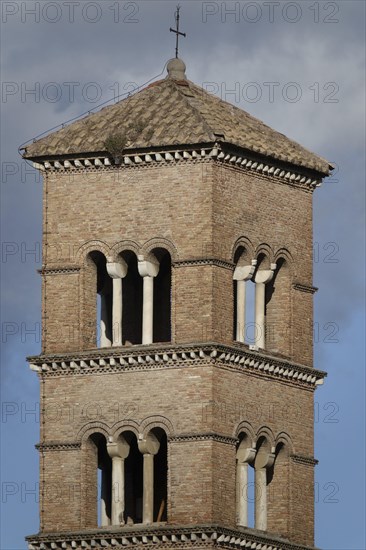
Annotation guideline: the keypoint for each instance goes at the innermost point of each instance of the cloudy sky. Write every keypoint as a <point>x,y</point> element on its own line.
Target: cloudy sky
<point>298,66</point>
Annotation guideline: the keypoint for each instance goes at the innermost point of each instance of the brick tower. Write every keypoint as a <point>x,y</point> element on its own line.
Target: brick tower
<point>160,213</point>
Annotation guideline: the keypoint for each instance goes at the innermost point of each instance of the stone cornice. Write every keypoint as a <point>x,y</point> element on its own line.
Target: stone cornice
<point>58,446</point>
<point>305,288</point>
<point>159,356</point>
<point>182,438</point>
<point>160,535</point>
<point>220,152</point>
<point>306,460</point>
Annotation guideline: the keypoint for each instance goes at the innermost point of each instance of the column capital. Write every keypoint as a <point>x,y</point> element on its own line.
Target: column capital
<point>148,445</point>
<point>246,455</point>
<point>264,459</point>
<point>117,270</point>
<point>148,266</point>
<point>244,272</point>
<point>265,275</point>
<point>118,449</point>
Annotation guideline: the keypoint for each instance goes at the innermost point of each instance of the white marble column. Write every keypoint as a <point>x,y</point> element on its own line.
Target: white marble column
<point>264,459</point>
<point>262,277</point>
<point>117,271</point>
<point>242,274</point>
<point>118,452</point>
<point>148,269</point>
<point>149,447</point>
<point>244,457</point>
<point>241,494</point>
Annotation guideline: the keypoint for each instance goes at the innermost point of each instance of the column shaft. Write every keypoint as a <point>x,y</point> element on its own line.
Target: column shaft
<point>261,499</point>
<point>260,294</point>
<point>240,310</point>
<point>148,496</point>
<point>242,493</point>
<point>117,312</point>
<point>118,490</point>
<point>148,310</point>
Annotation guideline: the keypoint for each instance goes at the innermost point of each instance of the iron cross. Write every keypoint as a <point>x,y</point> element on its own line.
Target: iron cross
<point>177,32</point>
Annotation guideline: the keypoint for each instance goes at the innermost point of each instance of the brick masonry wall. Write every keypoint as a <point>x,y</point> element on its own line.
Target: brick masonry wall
<point>280,216</point>
<point>197,399</point>
<point>200,209</point>
<point>201,220</point>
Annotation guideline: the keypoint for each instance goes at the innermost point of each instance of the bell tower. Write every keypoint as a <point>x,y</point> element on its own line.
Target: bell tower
<point>159,415</point>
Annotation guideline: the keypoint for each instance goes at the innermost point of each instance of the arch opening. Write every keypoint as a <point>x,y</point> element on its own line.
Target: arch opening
<point>162,297</point>
<point>99,468</point>
<point>133,481</point>
<point>132,297</point>
<point>103,297</point>
<point>161,477</point>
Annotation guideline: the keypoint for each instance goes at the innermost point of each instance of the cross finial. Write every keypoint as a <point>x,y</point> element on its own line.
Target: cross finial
<point>176,31</point>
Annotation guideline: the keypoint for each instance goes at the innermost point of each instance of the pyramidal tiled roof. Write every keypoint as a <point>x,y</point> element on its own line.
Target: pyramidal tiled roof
<point>171,112</point>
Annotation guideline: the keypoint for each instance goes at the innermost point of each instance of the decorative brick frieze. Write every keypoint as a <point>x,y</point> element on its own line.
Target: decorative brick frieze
<point>306,460</point>
<point>58,446</point>
<point>65,270</point>
<point>305,288</point>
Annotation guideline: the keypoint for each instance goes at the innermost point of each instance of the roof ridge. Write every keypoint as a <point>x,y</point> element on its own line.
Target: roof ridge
<point>253,118</point>
<point>200,116</point>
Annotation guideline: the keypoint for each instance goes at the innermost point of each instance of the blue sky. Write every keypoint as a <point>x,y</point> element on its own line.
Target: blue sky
<point>298,66</point>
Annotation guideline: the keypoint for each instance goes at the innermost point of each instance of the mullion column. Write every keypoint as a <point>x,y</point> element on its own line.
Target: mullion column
<point>264,459</point>
<point>148,269</point>
<point>118,452</point>
<point>117,271</point>
<point>262,277</point>
<point>244,456</point>
<point>242,274</point>
<point>149,447</point>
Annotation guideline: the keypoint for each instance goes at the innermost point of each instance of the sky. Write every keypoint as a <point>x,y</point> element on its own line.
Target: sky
<point>299,67</point>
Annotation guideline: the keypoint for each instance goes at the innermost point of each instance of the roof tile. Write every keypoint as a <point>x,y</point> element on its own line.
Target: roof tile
<point>168,113</point>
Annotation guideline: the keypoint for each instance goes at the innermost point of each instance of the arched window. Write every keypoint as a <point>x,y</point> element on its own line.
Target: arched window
<point>103,296</point>
<point>161,477</point>
<point>155,269</point>
<point>244,482</point>
<point>162,297</point>
<point>154,449</point>
<point>278,310</point>
<point>133,481</point>
<point>98,469</point>
<point>132,302</point>
<point>242,276</point>
<point>262,462</point>
<point>278,510</point>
